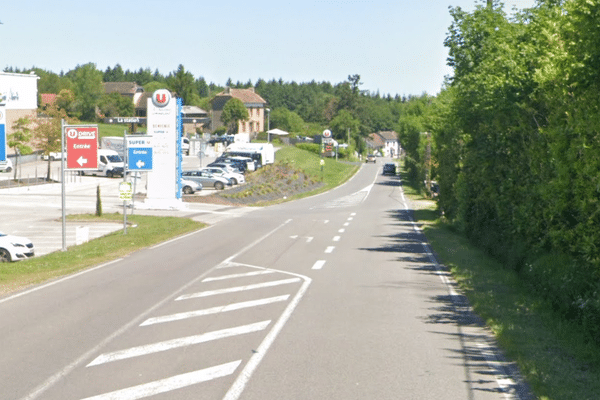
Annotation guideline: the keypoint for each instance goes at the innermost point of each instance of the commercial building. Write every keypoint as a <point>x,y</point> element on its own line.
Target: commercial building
<point>21,97</point>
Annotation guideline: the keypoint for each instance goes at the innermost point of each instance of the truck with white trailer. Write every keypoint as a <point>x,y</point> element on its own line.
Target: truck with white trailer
<point>262,153</point>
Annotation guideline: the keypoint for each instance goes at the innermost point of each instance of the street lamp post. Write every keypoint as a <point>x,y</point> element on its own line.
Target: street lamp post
<point>268,110</point>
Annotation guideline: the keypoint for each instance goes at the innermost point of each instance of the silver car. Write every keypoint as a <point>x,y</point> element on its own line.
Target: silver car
<point>234,177</point>
<point>206,179</point>
<point>190,187</point>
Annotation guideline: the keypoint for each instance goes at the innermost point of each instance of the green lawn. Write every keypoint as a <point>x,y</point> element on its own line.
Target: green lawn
<point>147,231</point>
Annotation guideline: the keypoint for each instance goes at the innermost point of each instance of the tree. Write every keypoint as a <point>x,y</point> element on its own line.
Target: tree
<point>114,105</point>
<point>65,100</point>
<point>88,90</point>
<point>202,87</point>
<point>19,138</point>
<point>183,84</point>
<point>47,133</point>
<point>234,111</point>
<point>115,74</point>
<point>286,120</point>
<point>342,124</point>
<point>153,86</point>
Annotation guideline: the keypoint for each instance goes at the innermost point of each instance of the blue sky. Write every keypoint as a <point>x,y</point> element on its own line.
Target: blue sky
<point>395,46</point>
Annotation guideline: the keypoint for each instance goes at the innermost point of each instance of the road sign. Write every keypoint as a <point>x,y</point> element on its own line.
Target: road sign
<point>3,140</point>
<point>81,144</point>
<point>139,153</point>
<point>125,191</point>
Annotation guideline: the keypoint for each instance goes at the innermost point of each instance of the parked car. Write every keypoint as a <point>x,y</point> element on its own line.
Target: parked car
<point>371,158</point>
<point>6,166</point>
<point>190,187</point>
<point>234,177</point>
<point>389,169</point>
<point>226,167</point>
<point>53,156</point>
<point>206,179</point>
<point>242,163</point>
<point>236,166</point>
<point>14,248</point>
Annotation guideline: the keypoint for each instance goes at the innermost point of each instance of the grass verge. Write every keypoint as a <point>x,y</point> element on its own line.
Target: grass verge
<point>145,231</point>
<point>555,357</point>
<point>333,173</point>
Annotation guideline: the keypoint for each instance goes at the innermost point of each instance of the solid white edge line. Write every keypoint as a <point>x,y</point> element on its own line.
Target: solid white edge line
<point>503,383</point>
<point>170,384</point>
<point>240,383</point>
<point>177,343</point>
<point>35,289</point>
<point>260,239</point>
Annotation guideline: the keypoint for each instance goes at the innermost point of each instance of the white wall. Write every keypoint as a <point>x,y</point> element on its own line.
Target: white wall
<point>20,90</point>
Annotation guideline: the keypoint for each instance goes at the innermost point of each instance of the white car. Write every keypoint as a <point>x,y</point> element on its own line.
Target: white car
<point>14,248</point>
<point>190,187</point>
<point>6,166</point>
<point>234,177</point>
<point>53,156</point>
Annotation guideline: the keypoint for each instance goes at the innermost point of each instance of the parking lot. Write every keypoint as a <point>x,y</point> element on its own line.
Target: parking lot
<point>36,211</point>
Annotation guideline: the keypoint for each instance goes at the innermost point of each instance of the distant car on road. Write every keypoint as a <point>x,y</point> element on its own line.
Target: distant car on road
<point>389,169</point>
<point>206,179</point>
<point>371,158</point>
<point>15,248</point>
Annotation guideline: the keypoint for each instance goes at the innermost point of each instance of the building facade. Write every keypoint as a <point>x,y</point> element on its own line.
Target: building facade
<point>254,104</point>
<point>386,142</point>
<point>21,94</point>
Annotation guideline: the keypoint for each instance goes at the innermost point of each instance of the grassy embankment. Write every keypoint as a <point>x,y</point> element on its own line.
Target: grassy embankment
<point>296,174</point>
<point>555,357</point>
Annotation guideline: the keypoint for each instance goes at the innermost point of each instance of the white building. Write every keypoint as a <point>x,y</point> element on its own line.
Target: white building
<point>20,91</point>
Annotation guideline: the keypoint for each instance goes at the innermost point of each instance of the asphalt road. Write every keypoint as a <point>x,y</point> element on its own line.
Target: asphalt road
<point>336,296</point>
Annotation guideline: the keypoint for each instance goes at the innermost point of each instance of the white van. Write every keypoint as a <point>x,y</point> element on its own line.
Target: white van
<point>110,164</point>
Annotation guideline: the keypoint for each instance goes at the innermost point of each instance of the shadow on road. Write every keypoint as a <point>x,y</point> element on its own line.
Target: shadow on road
<point>486,370</point>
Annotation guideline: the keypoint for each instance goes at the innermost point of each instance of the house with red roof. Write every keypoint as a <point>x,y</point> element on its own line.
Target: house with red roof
<point>253,102</point>
<point>386,142</point>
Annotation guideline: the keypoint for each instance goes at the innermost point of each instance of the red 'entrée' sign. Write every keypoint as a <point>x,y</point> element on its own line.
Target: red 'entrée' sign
<point>82,147</point>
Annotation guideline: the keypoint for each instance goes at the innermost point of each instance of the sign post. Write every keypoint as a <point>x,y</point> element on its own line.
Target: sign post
<point>125,194</point>
<point>80,143</point>
<point>81,146</point>
<point>164,179</point>
<point>139,153</point>
<point>3,141</point>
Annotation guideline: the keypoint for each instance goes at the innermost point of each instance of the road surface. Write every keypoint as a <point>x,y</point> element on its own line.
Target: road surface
<point>336,296</point>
